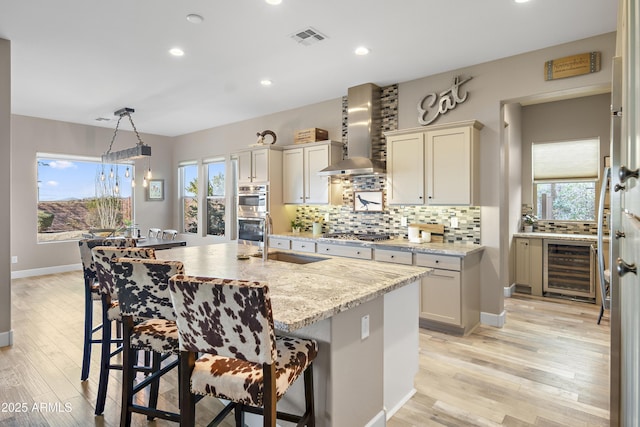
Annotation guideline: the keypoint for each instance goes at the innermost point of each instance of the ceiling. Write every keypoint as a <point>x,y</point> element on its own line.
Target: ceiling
<point>79,60</point>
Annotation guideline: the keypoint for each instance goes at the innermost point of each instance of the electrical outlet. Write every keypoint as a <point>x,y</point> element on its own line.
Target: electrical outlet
<point>326,217</point>
<point>14,260</point>
<point>364,323</point>
<point>454,222</point>
<point>403,221</point>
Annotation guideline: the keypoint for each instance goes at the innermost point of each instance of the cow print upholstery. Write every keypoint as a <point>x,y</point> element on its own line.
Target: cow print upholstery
<point>88,266</point>
<point>143,294</point>
<point>231,322</point>
<point>102,258</point>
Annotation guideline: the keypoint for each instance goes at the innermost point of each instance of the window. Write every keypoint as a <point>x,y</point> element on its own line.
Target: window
<point>216,201</point>
<point>72,197</point>
<point>565,174</point>
<point>188,173</point>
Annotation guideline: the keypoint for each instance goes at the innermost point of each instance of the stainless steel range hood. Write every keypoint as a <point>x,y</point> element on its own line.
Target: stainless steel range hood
<point>363,133</point>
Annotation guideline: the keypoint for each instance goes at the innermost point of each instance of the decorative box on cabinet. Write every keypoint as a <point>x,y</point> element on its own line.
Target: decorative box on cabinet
<point>529,264</point>
<point>450,294</point>
<point>434,165</point>
<point>301,182</point>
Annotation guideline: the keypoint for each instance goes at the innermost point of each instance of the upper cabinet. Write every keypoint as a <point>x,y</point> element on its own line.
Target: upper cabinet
<point>256,165</point>
<point>434,165</point>
<point>301,164</point>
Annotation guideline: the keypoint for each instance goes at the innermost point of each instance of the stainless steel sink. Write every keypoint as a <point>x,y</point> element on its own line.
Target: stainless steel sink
<point>292,258</point>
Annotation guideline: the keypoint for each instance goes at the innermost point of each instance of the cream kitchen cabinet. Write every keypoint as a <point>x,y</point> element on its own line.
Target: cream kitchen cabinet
<point>434,165</point>
<point>301,182</point>
<point>450,294</point>
<point>528,271</point>
<point>258,165</point>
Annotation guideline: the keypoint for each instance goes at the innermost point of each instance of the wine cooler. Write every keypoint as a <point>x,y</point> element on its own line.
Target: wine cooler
<point>569,268</point>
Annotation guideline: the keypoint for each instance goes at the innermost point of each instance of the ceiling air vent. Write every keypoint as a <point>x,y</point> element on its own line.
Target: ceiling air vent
<point>102,119</point>
<point>308,36</point>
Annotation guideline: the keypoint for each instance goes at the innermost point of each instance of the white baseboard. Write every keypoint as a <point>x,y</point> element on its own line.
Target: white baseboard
<point>6,339</point>
<point>46,270</point>
<point>400,404</point>
<point>491,319</point>
<point>379,420</point>
<point>509,290</point>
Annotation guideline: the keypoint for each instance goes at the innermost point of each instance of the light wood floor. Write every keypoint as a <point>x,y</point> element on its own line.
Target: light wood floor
<point>547,367</point>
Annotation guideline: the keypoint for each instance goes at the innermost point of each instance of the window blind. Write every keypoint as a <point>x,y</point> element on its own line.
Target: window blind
<point>577,160</point>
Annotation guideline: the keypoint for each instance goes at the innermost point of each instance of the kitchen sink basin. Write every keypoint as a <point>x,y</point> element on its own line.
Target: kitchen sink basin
<point>291,257</point>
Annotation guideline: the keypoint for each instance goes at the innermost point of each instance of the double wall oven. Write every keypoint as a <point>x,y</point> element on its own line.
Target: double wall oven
<point>253,205</point>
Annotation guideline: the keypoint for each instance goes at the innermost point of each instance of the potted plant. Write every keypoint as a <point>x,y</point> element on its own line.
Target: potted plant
<point>528,220</point>
<point>296,225</point>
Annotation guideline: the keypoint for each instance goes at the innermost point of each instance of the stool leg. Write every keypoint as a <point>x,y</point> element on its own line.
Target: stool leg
<point>155,385</point>
<point>105,361</point>
<point>187,400</point>
<point>601,313</point>
<point>88,332</point>
<point>308,396</point>
<point>128,373</point>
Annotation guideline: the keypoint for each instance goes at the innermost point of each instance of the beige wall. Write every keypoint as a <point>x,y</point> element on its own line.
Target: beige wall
<point>586,117</point>
<point>494,84</point>
<point>5,191</point>
<point>30,136</point>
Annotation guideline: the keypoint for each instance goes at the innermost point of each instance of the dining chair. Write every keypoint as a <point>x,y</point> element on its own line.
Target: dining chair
<point>91,294</point>
<point>169,234</point>
<point>229,350</point>
<point>102,258</point>
<point>155,233</point>
<point>148,323</point>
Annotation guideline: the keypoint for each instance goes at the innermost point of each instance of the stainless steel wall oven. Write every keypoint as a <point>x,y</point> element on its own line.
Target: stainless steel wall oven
<point>253,205</point>
<point>569,268</point>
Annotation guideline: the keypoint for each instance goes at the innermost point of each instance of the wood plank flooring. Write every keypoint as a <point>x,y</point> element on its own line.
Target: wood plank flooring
<point>549,366</point>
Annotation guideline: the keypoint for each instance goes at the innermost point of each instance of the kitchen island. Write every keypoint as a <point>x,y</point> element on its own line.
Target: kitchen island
<point>364,316</point>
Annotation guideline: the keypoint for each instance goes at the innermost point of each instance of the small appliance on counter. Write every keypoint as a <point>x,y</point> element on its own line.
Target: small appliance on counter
<point>425,233</point>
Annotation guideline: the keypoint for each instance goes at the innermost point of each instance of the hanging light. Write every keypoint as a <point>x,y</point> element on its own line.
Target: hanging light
<point>111,173</point>
<point>144,182</point>
<point>116,189</point>
<point>126,172</point>
<point>133,182</point>
<point>139,151</point>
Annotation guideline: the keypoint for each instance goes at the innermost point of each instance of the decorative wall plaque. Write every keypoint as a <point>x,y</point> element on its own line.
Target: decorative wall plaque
<point>445,101</point>
<point>571,66</point>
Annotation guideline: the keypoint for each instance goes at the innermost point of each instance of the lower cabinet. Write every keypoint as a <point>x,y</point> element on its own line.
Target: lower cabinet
<point>450,294</point>
<point>343,250</point>
<point>528,271</point>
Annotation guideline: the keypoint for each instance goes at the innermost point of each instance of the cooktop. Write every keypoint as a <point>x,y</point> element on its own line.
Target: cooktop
<point>368,237</point>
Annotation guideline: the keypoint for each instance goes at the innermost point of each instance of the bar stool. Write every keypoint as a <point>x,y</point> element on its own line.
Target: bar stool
<point>91,294</point>
<point>250,366</point>
<point>102,258</point>
<point>169,234</point>
<point>148,323</point>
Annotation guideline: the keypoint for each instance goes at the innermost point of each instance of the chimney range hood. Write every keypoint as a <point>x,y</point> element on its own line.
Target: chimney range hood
<point>363,133</point>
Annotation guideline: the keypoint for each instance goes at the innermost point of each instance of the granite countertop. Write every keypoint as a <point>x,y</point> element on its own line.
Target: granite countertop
<point>560,236</point>
<point>301,294</point>
<point>455,249</point>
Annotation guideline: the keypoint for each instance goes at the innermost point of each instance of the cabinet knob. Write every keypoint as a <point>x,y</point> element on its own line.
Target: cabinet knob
<point>358,253</point>
<point>393,256</point>
<point>624,173</point>
<point>619,187</point>
<point>420,197</point>
<point>624,268</point>
<point>620,234</point>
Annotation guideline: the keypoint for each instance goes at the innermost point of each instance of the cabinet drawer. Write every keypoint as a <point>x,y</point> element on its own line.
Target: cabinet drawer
<point>301,246</point>
<point>439,261</point>
<point>440,297</point>
<point>346,251</point>
<point>280,243</point>
<point>397,257</point>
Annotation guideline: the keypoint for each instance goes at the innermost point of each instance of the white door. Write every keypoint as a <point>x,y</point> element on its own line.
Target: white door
<point>292,162</point>
<point>245,174</point>
<point>448,166</point>
<point>625,205</point>
<point>316,186</point>
<point>260,165</point>
<point>405,167</point>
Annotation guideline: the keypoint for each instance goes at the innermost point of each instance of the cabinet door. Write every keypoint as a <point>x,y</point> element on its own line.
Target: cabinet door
<point>523,266</point>
<point>405,166</point>
<point>260,165</point>
<point>316,187</point>
<point>245,173</point>
<point>448,164</point>
<point>292,173</point>
<point>440,297</point>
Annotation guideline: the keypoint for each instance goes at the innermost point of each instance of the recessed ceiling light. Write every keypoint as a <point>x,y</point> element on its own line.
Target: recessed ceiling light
<point>194,18</point>
<point>362,51</point>
<point>266,82</point>
<point>521,1</point>
<point>274,2</point>
<point>176,51</point>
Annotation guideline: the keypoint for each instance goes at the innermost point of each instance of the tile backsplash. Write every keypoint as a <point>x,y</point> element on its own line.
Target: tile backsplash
<point>343,218</point>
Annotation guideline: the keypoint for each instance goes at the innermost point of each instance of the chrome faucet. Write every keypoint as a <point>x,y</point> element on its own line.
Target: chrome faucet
<point>268,227</point>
